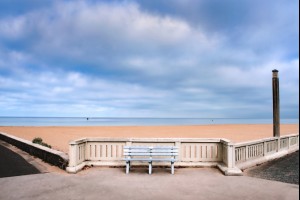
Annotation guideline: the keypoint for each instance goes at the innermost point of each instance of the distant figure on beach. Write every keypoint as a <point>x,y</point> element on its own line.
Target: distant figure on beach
<point>87,118</point>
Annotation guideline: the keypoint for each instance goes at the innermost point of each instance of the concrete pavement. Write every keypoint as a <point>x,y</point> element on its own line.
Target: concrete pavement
<point>113,183</point>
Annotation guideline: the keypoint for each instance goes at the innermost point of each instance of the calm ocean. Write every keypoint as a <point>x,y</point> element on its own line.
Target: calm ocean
<point>94,121</point>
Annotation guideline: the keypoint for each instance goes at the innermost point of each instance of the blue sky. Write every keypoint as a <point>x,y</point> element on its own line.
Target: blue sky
<point>148,58</point>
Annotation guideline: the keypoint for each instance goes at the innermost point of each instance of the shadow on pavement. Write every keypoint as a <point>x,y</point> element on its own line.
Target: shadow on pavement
<point>12,164</point>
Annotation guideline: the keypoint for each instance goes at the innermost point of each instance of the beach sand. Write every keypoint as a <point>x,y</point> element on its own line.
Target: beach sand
<point>59,137</point>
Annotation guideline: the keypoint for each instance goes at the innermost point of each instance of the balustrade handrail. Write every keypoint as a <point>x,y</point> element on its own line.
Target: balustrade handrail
<point>207,140</point>
<point>240,144</point>
<point>290,135</point>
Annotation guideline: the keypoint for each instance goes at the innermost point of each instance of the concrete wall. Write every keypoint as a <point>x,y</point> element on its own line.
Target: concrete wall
<point>48,155</point>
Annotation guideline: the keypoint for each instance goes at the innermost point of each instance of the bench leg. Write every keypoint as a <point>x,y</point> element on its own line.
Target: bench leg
<point>127,167</point>
<point>150,167</point>
<point>172,168</point>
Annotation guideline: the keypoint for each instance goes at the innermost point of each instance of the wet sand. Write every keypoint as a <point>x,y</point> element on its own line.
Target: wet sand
<point>59,137</point>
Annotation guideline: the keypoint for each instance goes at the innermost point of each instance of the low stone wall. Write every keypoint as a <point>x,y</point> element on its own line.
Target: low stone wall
<point>48,155</point>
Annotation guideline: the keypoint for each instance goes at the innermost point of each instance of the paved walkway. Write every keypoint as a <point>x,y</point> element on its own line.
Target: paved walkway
<point>113,183</point>
<point>285,169</point>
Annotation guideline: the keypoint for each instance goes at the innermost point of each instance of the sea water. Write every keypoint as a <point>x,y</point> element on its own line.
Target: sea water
<point>101,121</point>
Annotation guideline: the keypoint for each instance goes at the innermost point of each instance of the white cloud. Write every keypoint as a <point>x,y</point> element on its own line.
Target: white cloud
<point>82,31</point>
<point>73,93</point>
<point>13,28</point>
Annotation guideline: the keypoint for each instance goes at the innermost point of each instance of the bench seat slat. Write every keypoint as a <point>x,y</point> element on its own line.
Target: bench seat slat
<point>150,160</point>
<point>150,150</point>
<point>154,147</point>
<point>172,151</point>
<point>150,154</point>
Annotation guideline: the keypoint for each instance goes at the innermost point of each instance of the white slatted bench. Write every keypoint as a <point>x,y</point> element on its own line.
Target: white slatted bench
<point>150,154</point>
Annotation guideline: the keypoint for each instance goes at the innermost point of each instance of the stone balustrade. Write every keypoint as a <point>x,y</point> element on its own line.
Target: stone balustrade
<point>251,153</point>
<point>229,157</point>
<point>194,152</point>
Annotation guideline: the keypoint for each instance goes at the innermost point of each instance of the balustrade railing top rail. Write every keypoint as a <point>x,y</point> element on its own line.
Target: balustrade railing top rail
<point>239,144</point>
<point>208,140</point>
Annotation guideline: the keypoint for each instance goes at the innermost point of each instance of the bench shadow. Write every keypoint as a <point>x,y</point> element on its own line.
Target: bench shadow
<point>145,170</point>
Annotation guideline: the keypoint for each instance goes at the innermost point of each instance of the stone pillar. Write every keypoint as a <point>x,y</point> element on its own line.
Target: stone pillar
<point>72,154</point>
<point>178,145</point>
<point>230,155</point>
<point>276,105</point>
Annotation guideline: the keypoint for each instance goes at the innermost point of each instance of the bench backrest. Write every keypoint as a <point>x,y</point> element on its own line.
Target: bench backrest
<point>150,151</point>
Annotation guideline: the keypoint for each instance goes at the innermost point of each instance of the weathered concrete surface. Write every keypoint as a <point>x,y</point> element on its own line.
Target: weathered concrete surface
<point>113,183</point>
<point>285,169</point>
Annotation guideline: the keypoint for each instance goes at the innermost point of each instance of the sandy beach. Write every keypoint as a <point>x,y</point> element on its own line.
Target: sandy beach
<point>59,137</point>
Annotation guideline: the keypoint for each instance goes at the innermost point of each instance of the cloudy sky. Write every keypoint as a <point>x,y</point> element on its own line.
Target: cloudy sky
<point>148,58</point>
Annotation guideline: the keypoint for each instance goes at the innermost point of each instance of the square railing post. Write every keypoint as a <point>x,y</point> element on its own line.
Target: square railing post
<point>265,148</point>
<point>73,155</point>
<point>278,144</point>
<point>230,156</point>
<point>178,145</point>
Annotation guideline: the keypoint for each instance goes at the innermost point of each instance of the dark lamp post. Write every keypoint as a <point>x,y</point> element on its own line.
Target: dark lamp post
<point>276,104</point>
